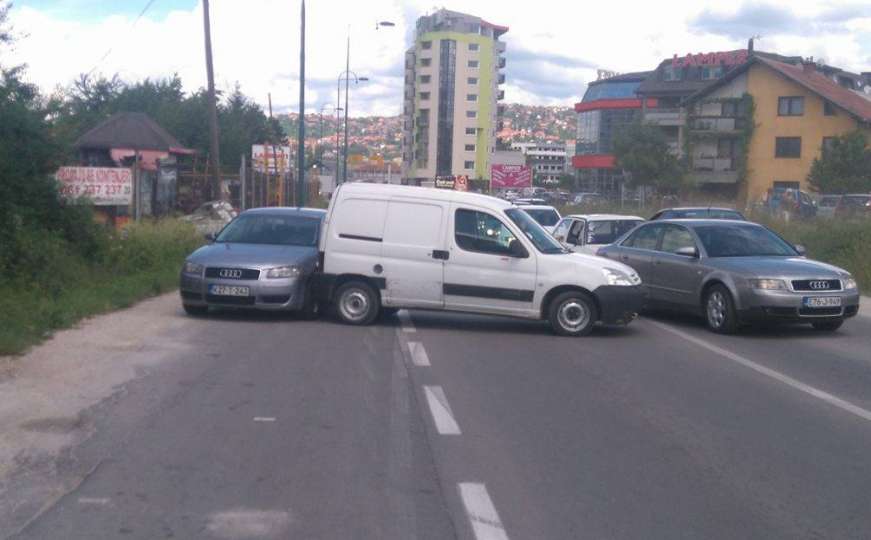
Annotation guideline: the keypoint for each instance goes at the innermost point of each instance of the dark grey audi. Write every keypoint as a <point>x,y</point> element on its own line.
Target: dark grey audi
<point>734,273</point>
<point>263,259</point>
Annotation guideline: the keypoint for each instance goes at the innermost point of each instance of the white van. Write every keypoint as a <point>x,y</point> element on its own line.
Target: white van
<point>387,246</point>
<point>586,233</point>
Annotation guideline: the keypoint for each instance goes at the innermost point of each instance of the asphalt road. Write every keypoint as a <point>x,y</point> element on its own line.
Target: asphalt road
<point>437,425</point>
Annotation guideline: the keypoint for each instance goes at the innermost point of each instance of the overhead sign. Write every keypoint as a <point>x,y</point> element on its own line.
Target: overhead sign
<point>265,160</point>
<point>729,58</point>
<point>103,186</point>
<point>510,176</point>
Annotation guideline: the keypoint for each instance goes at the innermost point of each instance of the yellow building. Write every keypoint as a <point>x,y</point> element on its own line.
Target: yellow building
<point>795,110</point>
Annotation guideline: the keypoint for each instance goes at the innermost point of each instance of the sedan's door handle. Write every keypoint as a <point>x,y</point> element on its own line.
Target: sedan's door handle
<point>441,254</point>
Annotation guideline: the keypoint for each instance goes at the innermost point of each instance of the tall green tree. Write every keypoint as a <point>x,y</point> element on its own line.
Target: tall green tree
<point>642,151</point>
<point>843,167</point>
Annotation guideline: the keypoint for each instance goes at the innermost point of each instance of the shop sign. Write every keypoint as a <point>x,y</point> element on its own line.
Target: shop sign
<point>445,182</point>
<point>102,186</point>
<point>729,58</point>
<point>269,159</point>
<point>510,176</point>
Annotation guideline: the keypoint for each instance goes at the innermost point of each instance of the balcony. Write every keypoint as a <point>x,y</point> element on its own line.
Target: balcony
<point>500,95</point>
<point>501,63</point>
<point>500,47</point>
<point>665,117</point>
<point>717,124</point>
<point>714,170</point>
<point>501,79</point>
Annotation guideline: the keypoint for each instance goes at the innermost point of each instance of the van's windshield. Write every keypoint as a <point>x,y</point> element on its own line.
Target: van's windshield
<point>540,238</point>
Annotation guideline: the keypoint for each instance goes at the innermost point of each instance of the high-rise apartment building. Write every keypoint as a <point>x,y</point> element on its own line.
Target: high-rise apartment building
<point>451,110</point>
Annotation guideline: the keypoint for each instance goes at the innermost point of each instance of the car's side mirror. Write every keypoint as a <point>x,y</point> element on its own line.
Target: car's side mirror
<point>210,237</point>
<point>517,250</point>
<point>688,251</point>
<point>800,249</point>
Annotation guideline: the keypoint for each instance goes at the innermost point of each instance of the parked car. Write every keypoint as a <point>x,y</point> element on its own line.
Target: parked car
<point>735,273</point>
<point>827,205</point>
<point>854,205</point>
<point>546,216</point>
<point>264,259</point>
<point>586,233</point>
<point>388,246</point>
<point>698,212</point>
<point>588,199</point>
<point>527,201</point>
<point>789,202</point>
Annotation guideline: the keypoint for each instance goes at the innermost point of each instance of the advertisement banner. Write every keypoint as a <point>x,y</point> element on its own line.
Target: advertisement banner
<point>264,160</point>
<point>103,186</point>
<point>510,176</point>
<point>445,182</point>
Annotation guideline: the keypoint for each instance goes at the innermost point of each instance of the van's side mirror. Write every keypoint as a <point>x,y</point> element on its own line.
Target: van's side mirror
<point>688,251</point>
<point>801,249</point>
<point>517,250</point>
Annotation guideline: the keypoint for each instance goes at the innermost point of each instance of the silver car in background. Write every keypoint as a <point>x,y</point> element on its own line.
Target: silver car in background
<point>735,273</point>
<point>263,259</point>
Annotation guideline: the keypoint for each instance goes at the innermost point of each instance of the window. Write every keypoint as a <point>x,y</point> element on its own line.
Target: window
<point>425,79</point>
<point>471,131</point>
<point>829,109</point>
<point>470,148</point>
<point>481,232</point>
<point>471,97</point>
<point>426,45</point>
<point>472,80</point>
<point>730,108</point>
<point>562,230</point>
<point>471,114</point>
<point>712,72</point>
<point>643,238</point>
<point>790,106</point>
<point>468,165</point>
<point>607,232</point>
<point>473,63</point>
<point>787,147</point>
<point>671,73</point>
<point>735,240</point>
<point>675,238</point>
<point>828,144</point>
<point>473,46</point>
<point>424,95</point>
<point>426,62</point>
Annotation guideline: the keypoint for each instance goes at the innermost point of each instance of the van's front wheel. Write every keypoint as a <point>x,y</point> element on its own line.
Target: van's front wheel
<point>572,313</point>
<point>357,303</point>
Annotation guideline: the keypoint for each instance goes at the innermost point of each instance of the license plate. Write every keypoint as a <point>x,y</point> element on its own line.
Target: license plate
<point>822,301</point>
<point>228,290</point>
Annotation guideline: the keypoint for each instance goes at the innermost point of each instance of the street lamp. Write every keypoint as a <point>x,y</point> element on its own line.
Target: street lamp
<point>346,76</point>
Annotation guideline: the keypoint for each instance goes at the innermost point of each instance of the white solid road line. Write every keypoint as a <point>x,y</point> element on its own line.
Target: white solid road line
<point>264,419</point>
<point>418,354</point>
<point>441,411</point>
<point>100,501</point>
<point>486,524</point>
<point>405,321</point>
<point>776,375</point>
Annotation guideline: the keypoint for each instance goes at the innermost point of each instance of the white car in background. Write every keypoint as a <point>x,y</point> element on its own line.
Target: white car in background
<point>546,216</point>
<point>586,233</point>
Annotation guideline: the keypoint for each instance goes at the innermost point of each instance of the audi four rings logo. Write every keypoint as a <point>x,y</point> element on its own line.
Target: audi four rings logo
<point>818,285</point>
<point>230,273</point>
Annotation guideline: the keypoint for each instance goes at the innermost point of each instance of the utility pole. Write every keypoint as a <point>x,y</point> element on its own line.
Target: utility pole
<point>300,199</point>
<point>347,84</point>
<point>285,192</point>
<point>217,192</point>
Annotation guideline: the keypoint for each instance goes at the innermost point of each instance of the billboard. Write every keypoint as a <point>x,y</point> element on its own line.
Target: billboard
<point>264,160</point>
<point>510,176</point>
<point>103,186</point>
<point>458,183</point>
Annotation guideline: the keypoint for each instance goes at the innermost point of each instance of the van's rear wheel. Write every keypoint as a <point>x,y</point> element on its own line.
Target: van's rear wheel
<point>357,303</point>
<point>572,313</point>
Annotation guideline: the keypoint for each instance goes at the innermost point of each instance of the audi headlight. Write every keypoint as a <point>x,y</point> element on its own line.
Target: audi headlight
<point>768,284</point>
<point>619,278</point>
<point>850,283</point>
<point>193,268</point>
<point>283,272</point>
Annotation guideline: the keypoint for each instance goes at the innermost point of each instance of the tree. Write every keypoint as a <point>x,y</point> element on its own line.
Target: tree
<point>844,167</point>
<point>642,151</point>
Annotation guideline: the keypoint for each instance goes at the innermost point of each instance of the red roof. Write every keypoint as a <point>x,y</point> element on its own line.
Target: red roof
<point>622,103</point>
<point>823,86</point>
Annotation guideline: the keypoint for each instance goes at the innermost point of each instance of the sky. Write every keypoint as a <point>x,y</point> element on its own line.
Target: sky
<point>554,48</point>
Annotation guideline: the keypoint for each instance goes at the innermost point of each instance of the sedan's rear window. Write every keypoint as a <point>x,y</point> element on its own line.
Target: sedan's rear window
<point>608,231</point>
<point>272,229</point>
<point>547,217</point>
<point>743,241</point>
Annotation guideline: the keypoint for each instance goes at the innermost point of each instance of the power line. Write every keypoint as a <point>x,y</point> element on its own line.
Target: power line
<point>132,26</point>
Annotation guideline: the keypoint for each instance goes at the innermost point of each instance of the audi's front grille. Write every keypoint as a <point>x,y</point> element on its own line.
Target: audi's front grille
<point>816,285</point>
<point>230,300</point>
<point>820,312</point>
<point>232,273</point>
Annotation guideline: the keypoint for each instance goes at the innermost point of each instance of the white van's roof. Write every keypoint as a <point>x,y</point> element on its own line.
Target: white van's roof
<point>392,190</point>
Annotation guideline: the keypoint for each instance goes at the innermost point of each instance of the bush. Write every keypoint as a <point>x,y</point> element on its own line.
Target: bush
<point>57,282</point>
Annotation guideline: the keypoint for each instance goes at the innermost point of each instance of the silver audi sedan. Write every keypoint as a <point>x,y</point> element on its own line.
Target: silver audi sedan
<point>734,273</point>
<point>263,259</point>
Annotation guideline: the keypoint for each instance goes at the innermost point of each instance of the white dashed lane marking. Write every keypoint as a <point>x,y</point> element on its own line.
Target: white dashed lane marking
<point>441,411</point>
<point>768,372</point>
<point>96,501</point>
<point>406,322</point>
<point>264,419</point>
<point>418,354</point>
<point>483,517</point>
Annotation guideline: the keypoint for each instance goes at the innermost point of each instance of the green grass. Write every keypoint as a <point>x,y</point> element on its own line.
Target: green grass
<point>68,287</point>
